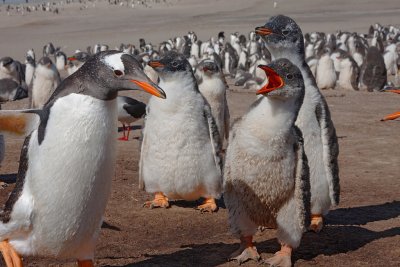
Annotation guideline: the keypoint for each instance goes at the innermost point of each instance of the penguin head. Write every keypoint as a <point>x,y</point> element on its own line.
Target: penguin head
<point>208,68</point>
<point>6,62</point>
<point>282,33</point>
<point>112,71</point>
<point>79,58</point>
<point>170,65</point>
<point>284,80</point>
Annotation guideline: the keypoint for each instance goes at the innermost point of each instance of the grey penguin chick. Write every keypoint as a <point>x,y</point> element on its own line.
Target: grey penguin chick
<point>212,86</point>
<point>64,180</point>
<point>266,175</point>
<point>180,153</point>
<point>45,80</point>
<point>284,39</point>
<point>373,71</point>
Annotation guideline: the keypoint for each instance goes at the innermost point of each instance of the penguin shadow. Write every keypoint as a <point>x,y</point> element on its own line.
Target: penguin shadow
<point>8,178</point>
<point>193,204</point>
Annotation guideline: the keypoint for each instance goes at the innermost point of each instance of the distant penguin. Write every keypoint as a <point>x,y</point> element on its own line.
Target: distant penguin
<point>11,69</point>
<point>266,175</point>
<point>212,86</point>
<point>77,60</point>
<point>325,72</point>
<point>129,111</point>
<point>30,65</point>
<point>181,128</point>
<point>230,60</point>
<point>10,90</point>
<point>284,39</point>
<point>373,71</point>
<point>61,60</point>
<point>349,73</point>
<point>390,57</point>
<point>67,163</point>
<point>48,50</point>
<point>45,81</point>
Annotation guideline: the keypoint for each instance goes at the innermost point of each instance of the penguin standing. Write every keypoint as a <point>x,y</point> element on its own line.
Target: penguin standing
<point>266,176</point>
<point>284,39</point>
<point>63,182</point>
<point>61,60</point>
<point>373,71</point>
<point>10,90</point>
<point>45,81</point>
<point>129,111</point>
<point>325,72</point>
<point>185,133</point>
<point>30,65</point>
<point>212,86</point>
<point>349,72</point>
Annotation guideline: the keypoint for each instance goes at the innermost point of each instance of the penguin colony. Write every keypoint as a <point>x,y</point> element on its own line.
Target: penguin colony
<point>271,173</point>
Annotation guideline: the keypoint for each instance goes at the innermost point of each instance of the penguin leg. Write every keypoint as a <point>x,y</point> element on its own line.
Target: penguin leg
<point>317,222</point>
<point>282,258</point>
<point>247,251</point>
<point>129,130</point>
<point>209,205</point>
<point>85,263</point>
<point>10,256</point>
<point>159,201</point>
<point>392,116</point>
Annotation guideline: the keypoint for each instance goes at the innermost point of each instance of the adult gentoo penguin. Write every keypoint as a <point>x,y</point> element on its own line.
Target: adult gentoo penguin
<point>213,87</point>
<point>67,162</point>
<point>45,81</point>
<point>129,110</point>
<point>284,39</point>
<point>185,162</point>
<point>266,176</point>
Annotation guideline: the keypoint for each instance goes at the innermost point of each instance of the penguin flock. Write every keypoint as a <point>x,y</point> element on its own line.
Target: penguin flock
<point>279,168</point>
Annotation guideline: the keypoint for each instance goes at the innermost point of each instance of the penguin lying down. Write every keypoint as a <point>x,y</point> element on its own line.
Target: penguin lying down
<point>67,162</point>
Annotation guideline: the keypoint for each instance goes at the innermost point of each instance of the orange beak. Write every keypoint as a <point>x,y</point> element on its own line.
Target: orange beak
<point>155,64</point>
<point>72,58</point>
<point>274,81</point>
<point>263,31</point>
<point>150,89</point>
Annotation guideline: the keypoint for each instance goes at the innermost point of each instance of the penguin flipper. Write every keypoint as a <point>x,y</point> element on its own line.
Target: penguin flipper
<point>214,136</point>
<point>330,147</point>
<point>19,122</point>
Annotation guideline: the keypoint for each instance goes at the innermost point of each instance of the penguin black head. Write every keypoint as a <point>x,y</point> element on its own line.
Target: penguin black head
<point>282,33</point>
<point>284,80</point>
<point>45,61</point>
<point>111,71</point>
<point>80,57</point>
<point>209,67</point>
<point>171,64</point>
<point>6,61</point>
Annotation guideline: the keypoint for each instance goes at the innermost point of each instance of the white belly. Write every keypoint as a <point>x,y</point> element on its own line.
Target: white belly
<point>41,91</point>
<point>69,177</point>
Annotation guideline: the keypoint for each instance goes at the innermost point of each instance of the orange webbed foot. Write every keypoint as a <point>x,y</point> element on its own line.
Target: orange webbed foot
<point>209,205</point>
<point>159,201</point>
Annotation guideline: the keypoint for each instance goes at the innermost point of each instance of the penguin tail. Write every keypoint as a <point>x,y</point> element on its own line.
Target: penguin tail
<point>19,122</point>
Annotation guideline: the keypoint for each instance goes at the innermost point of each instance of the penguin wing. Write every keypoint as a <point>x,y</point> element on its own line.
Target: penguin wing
<point>302,180</point>
<point>330,148</point>
<point>227,118</point>
<point>19,122</point>
<point>214,136</point>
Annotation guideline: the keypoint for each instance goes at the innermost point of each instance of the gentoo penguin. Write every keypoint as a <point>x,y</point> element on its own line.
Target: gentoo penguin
<point>77,60</point>
<point>64,180</point>
<point>284,39</point>
<point>230,60</point>
<point>10,90</point>
<point>373,71</point>
<point>129,111</point>
<point>212,86</point>
<point>325,71</point>
<point>61,60</point>
<point>30,65</point>
<point>11,69</point>
<point>45,80</point>
<point>185,163</point>
<point>390,57</point>
<point>349,72</point>
<point>266,176</point>
<point>48,50</point>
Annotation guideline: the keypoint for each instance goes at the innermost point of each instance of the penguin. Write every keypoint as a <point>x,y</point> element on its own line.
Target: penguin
<point>325,71</point>
<point>284,39</point>
<point>30,65</point>
<point>48,50</point>
<point>10,90</point>
<point>266,175</point>
<point>129,111</point>
<point>230,60</point>
<point>12,69</point>
<point>45,81</point>
<point>184,131</point>
<point>349,72</point>
<point>61,60</point>
<point>390,57</point>
<point>64,180</point>
<point>77,60</point>
<point>373,71</point>
<point>212,86</point>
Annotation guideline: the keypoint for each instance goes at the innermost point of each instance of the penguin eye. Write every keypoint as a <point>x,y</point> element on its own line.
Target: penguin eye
<point>118,73</point>
<point>174,64</point>
<point>285,32</point>
<point>289,76</point>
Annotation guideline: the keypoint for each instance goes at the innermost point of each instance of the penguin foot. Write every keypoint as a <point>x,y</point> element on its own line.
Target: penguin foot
<point>10,256</point>
<point>159,201</point>
<point>317,223</point>
<point>208,205</point>
<point>85,263</point>
<point>282,258</point>
<point>247,251</point>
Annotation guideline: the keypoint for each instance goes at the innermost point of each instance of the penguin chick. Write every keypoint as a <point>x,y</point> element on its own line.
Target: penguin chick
<point>349,72</point>
<point>180,154</point>
<point>212,86</point>
<point>30,65</point>
<point>373,71</point>
<point>45,81</point>
<point>10,90</point>
<point>266,175</point>
<point>129,111</point>
<point>61,60</point>
<point>325,72</point>
<point>64,180</point>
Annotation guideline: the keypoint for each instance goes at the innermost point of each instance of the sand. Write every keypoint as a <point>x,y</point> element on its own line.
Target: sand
<point>363,231</point>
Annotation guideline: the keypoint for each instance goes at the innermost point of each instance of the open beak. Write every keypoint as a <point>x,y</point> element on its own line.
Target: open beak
<point>155,64</point>
<point>263,31</point>
<point>274,81</point>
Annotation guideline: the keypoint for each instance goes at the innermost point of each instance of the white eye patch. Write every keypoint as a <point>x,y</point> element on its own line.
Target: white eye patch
<point>114,61</point>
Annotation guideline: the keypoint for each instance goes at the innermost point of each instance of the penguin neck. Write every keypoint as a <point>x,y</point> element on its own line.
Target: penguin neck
<point>179,88</point>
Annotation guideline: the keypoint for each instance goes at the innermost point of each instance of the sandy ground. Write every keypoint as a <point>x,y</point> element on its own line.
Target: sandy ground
<point>363,231</point>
